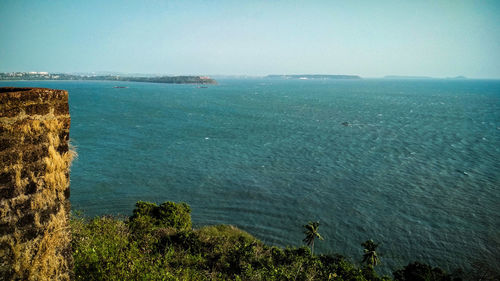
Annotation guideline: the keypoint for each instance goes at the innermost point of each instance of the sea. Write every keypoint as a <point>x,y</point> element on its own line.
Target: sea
<point>412,164</point>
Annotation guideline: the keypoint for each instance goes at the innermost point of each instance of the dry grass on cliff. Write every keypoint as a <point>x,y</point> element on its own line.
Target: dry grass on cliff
<point>56,167</point>
<point>55,178</point>
<point>42,257</point>
<point>49,262</point>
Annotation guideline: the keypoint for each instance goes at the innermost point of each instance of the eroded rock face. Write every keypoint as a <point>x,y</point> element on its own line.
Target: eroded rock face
<point>34,185</point>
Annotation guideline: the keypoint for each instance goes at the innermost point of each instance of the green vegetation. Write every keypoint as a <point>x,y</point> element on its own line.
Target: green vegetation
<point>158,243</point>
<point>421,272</point>
<point>148,217</point>
<point>311,233</point>
<point>370,256</point>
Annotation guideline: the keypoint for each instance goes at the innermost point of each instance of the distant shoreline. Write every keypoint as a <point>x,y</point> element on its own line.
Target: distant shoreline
<point>44,76</point>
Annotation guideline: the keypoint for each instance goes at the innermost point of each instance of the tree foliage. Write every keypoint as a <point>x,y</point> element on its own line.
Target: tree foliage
<point>149,216</point>
<point>417,271</point>
<point>311,233</point>
<point>158,243</point>
<point>370,256</point>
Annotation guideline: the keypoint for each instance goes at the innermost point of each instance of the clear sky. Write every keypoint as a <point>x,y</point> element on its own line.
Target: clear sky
<point>368,38</point>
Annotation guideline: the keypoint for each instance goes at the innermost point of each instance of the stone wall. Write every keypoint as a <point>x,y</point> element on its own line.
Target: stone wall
<point>34,185</point>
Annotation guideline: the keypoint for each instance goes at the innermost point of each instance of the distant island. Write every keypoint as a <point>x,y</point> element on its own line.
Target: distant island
<point>62,76</point>
<point>313,76</point>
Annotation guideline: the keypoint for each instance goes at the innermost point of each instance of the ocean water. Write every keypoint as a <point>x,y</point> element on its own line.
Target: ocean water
<point>417,169</point>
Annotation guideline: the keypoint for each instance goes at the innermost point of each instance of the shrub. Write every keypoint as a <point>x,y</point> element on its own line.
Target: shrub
<point>149,216</point>
<point>103,249</point>
<point>157,243</point>
<point>417,271</point>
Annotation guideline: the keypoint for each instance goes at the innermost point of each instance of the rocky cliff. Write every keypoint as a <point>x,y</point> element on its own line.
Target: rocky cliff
<point>34,184</point>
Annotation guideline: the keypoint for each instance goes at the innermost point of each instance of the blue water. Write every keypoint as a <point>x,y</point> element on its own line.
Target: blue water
<point>417,169</point>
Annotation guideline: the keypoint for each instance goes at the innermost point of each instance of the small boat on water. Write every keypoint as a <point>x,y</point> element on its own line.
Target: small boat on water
<point>202,87</point>
<point>120,87</point>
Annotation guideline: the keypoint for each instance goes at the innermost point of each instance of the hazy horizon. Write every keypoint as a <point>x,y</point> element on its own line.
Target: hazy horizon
<point>140,74</point>
<point>255,38</point>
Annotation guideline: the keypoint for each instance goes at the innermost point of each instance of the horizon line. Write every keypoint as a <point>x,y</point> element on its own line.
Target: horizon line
<point>388,76</point>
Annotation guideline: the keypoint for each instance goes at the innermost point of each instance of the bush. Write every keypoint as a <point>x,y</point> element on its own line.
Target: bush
<point>103,249</point>
<point>157,243</point>
<point>417,271</point>
<point>149,216</point>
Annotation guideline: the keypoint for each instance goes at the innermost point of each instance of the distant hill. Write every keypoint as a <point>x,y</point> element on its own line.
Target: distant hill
<point>313,76</point>
<point>63,76</point>
<point>170,79</point>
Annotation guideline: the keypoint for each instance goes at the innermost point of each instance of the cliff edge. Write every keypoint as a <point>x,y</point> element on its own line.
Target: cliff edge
<point>34,185</point>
